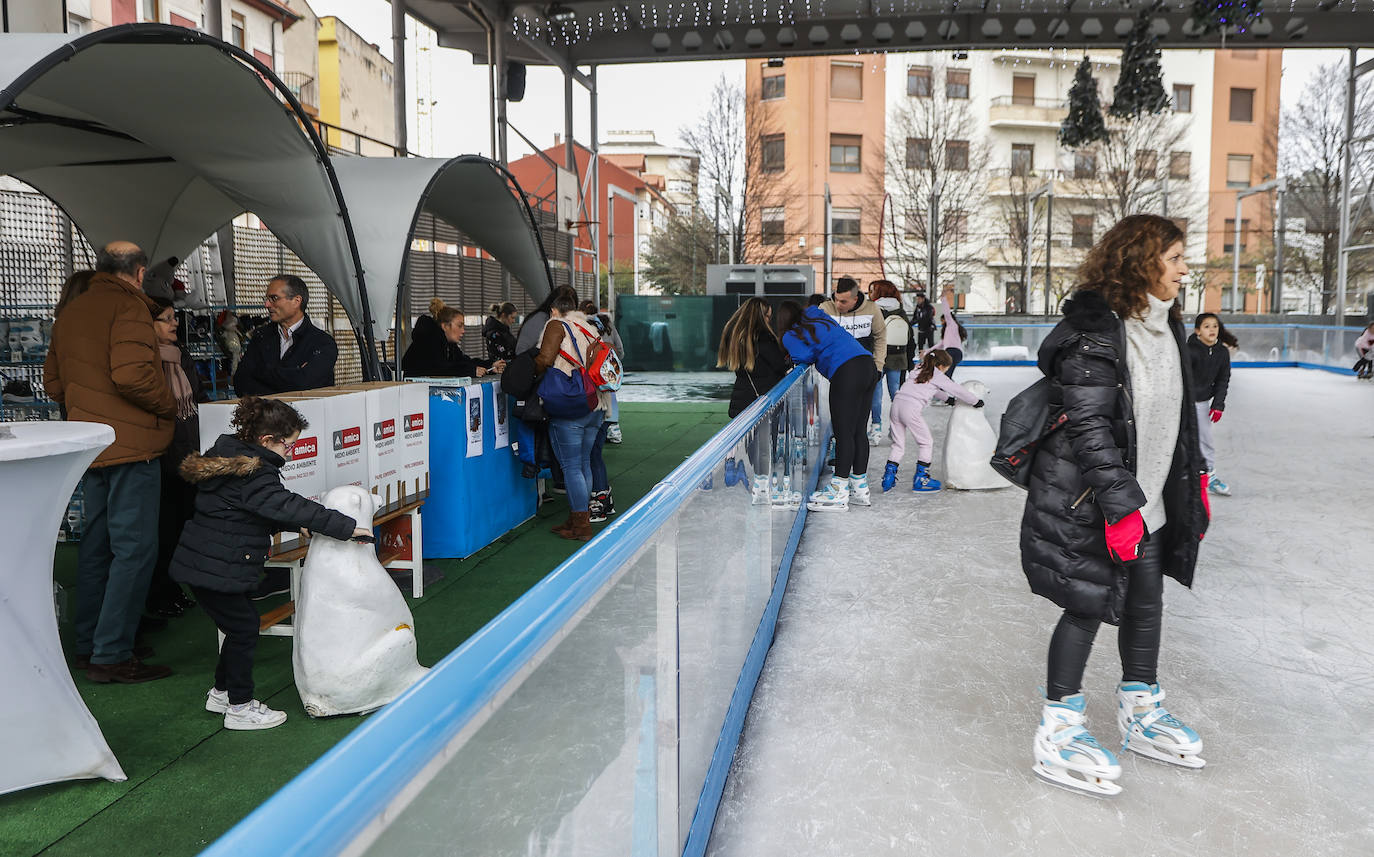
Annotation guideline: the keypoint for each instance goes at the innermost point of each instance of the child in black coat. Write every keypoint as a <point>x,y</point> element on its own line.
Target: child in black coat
<point>1209,352</point>
<point>240,503</point>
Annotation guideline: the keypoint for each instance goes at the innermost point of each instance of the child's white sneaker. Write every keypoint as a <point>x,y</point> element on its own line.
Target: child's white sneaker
<point>217,701</point>
<point>252,715</point>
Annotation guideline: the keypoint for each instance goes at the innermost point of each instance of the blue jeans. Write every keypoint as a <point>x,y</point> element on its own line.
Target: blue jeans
<point>116,558</point>
<point>572,443</point>
<point>600,480</point>
<point>894,383</point>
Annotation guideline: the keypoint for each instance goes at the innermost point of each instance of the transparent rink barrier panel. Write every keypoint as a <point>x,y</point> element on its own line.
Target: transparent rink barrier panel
<point>730,543</point>
<point>1259,343</point>
<point>602,745</point>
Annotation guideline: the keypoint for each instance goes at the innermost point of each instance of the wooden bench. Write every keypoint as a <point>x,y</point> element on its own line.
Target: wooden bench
<point>290,553</point>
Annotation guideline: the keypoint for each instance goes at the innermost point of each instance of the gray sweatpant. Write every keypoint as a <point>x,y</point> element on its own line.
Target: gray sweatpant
<point>1204,434</point>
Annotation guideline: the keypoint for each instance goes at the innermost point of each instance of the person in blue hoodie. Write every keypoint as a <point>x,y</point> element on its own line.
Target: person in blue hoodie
<point>811,336</point>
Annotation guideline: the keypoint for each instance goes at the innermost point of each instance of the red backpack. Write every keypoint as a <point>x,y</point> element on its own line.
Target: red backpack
<point>603,366</point>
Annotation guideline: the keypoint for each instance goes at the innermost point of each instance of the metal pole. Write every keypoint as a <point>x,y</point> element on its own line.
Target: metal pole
<point>595,167</point>
<point>570,159</point>
<point>398,70</point>
<point>1277,302</point>
<point>829,245</point>
<point>1235,261</point>
<point>1026,259</point>
<point>1049,246</point>
<point>1342,257</point>
<point>499,57</point>
<point>933,244</point>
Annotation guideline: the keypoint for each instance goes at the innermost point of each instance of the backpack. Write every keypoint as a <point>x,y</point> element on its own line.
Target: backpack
<point>520,379</point>
<point>898,330</point>
<point>1025,424</point>
<point>568,396</point>
<point>603,366</point>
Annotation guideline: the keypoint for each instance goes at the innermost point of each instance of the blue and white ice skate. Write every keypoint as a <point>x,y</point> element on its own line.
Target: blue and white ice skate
<point>1066,753</point>
<point>1148,729</point>
<point>858,491</point>
<point>1216,486</point>
<point>923,481</point>
<point>833,497</point>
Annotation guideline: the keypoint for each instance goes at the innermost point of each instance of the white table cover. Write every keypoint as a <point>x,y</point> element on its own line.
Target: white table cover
<point>46,732</point>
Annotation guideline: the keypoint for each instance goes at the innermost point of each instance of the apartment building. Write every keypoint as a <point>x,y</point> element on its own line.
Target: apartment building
<point>813,123</point>
<point>671,170</point>
<point>256,26</point>
<point>356,86</point>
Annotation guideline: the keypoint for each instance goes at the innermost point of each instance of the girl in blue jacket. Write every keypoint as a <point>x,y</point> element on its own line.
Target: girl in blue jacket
<point>811,336</point>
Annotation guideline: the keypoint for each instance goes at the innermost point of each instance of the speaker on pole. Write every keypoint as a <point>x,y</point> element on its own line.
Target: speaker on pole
<point>515,80</point>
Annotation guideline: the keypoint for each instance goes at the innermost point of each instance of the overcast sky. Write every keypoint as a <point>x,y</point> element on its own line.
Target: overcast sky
<point>659,97</point>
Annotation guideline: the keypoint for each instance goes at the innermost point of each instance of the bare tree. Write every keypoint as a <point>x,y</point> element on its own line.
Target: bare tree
<point>1145,166</point>
<point>1311,146</point>
<point>719,137</point>
<point>935,148</point>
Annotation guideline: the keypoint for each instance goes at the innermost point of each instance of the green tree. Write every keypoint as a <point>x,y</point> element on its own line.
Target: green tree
<point>679,252</point>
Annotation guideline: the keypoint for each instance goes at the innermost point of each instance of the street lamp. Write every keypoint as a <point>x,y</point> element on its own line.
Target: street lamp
<point>1046,190</point>
<point>1281,187</point>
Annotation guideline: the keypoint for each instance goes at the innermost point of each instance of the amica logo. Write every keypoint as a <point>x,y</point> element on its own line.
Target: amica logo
<point>383,430</point>
<point>414,422</point>
<point>348,438</point>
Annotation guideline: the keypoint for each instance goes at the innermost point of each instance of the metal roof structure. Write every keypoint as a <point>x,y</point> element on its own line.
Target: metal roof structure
<point>588,32</point>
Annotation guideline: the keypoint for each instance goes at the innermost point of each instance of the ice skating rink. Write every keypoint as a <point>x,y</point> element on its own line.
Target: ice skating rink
<point>896,708</point>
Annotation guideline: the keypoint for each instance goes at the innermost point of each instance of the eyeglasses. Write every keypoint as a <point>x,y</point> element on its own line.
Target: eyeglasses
<point>272,299</point>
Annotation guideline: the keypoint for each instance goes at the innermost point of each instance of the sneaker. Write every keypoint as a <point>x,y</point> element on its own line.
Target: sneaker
<point>596,507</point>
<point>613,433</point>
<point>132,671</point>
<point>216,701</point>
<point>252,715</point>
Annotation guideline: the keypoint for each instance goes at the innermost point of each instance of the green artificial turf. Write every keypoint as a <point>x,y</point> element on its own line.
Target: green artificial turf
<point>190,780</point>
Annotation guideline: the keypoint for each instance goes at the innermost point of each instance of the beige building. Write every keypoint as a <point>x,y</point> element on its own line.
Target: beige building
<point>813,122</point>
<point>355,85</point>
<point>670,170</point>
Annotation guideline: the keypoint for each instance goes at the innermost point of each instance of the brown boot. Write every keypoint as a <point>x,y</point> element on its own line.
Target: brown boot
<point>132,671</point>
<point>580,528</point>
<point>562,528</point>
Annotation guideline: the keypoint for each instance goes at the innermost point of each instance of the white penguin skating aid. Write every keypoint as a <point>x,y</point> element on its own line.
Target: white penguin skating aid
<point>1150,730</point>
<point>1066,753</point>
<point>355,645</point>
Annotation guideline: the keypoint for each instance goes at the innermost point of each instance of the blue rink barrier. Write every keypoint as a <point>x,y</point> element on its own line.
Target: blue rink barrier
<point>598,713</point>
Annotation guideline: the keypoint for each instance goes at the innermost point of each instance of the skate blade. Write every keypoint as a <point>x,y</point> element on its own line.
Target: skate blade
<point>1091,786</point>
<point>822,507</point>
<point>1155,755</point>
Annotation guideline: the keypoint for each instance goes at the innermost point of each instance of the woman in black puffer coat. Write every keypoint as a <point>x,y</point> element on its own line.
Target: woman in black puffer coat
<point>240,502</point>
<point>1117,497</point>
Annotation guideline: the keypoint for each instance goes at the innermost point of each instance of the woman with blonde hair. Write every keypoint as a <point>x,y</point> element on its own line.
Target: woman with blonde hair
<point>1117,498</point>
<point>434,350</point>
<point>751,349</point>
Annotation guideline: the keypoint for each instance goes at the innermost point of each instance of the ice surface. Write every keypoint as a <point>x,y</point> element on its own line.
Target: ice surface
<point>896,710</point>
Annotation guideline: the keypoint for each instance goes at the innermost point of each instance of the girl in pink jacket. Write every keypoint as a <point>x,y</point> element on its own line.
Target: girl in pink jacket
<point>952,335</point>
<point>1364,349</point>
<point>927,383</point>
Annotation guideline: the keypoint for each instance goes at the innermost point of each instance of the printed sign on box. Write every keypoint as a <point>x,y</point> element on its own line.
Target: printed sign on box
<point>384,442</point>
<point>304,472</point>
<point>414,465</point>
<point>346,416</point>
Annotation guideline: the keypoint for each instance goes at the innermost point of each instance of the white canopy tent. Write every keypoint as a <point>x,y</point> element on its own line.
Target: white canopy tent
<point>160,135</point>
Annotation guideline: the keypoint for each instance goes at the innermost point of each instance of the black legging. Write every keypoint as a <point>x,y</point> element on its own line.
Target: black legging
<point>957,356</point>
<point>925,338</point>
<point>1137,640</point>
<point>851,397</point>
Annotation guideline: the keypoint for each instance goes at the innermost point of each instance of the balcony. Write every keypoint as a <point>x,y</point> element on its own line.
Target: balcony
<point>1016,111</point>
<point>1068,184</point>
<point>304,88</point>
<point>1050,58</point>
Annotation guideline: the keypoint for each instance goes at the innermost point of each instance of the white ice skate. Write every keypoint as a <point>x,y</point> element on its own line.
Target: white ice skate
<point>858,491</point>
<point>782,497</point>
<point>1067,755</point>
<point>1216,486</point>
<point>760,495</point>
<point>875,434</point>
<point>834,497</point>
<point>1148,729</point>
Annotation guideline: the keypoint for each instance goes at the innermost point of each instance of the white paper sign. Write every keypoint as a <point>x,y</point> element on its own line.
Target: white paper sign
<point>502,417</point>
<point>473,397</point>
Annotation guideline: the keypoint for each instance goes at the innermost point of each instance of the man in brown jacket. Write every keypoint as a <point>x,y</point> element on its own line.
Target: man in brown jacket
<point>103,365</point>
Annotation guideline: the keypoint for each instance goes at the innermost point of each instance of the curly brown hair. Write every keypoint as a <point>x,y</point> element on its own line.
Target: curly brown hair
<point>1126,262</point>
<point>883,289</point>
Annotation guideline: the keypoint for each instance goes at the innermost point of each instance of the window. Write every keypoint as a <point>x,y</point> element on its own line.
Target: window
<point>844,226</point>
<point>913,223</point>
<point>774,153</point>
<point>956,83</point>
<point>1238,171</point>
<point>955,226</point>
<point>847,81</point>
<point>1082,230</point>
<point>1229,240</point>
<point>844,153</point>
<point>1022,158</point>
<point>1183,98</point>
<point>918,81</point>
<point>1023,89</point>
<point>150,12</point>
<point>236,28</point>
<point>1084,165</point>
<point>774,86</point>
<point>956,154</point>
<point>773,221</point>
<point>1146,164</point>
<point>1242,105</point>
<point>1180,165</point>
<point>917,153</point>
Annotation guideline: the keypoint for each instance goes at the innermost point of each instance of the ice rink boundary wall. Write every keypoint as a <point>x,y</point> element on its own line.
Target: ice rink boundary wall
<point>334,801</point>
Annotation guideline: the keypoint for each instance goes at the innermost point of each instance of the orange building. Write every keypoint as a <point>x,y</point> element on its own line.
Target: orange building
<point>813,121</point>
<point>1245,133</point>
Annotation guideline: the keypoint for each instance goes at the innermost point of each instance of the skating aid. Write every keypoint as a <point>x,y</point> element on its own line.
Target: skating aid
<point>1150,730</point>
<point>1066,753</point>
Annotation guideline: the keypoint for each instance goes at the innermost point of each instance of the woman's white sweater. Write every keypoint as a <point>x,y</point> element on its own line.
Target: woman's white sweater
<point>1157,401</point>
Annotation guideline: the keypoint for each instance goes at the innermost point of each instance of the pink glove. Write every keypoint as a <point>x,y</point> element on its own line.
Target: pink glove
<point>1215,415</point>
<point>1206,501</point>
<point>1124,537</point>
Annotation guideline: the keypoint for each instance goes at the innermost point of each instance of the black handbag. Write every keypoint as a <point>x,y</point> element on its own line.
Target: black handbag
<point>1025,424</point>
<point>520,378</point>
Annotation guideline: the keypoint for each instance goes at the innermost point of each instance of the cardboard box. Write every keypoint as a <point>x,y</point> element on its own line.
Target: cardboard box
<point>383,404</point>
<point>414,464</point>
<point>215,420</point>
